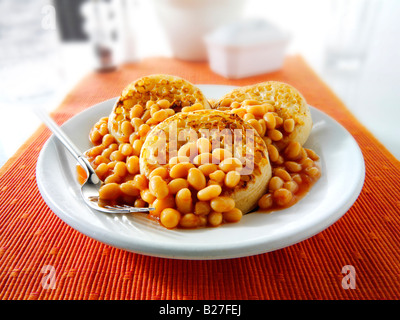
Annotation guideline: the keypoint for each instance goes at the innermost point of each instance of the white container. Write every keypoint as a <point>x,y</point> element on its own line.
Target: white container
<point>186,22</point>
<point>246,48</point>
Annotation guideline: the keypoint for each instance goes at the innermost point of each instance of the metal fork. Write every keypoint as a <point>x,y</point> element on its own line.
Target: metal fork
<point>90,188</point>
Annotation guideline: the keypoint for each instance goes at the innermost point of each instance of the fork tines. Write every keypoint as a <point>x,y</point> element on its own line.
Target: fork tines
<point>125,208</point>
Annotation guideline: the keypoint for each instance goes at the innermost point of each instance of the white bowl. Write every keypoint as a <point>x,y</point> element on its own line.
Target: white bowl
<point>185,23</point>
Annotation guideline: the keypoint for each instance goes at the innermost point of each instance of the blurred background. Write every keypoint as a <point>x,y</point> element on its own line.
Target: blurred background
<point>46,46</point>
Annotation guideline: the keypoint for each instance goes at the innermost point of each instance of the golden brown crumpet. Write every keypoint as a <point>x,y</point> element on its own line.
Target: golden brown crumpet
<point>215,139</point>
<point>280,98</point>
<point>172,92</point>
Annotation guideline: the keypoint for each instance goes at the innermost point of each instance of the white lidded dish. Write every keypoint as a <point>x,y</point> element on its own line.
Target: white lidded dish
<point>246,48</point>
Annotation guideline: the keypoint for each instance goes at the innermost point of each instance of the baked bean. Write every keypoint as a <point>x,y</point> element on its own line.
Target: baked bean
<point>158,187</point>
<point>117,156</point>
<point>256,125</point>
<point>108,139</point>
<point>109,191</point>
<point>217,176</point>
<point>270,120</point>
<point>230,164</point>
<point>180,170</point>
<point>226,102</point>
<point>263,127</point>
<point>273,153</point>
<point>241,112</point>
<point>203,145</point>
<point>120,169</point>
<point>312,172</point>
<point>101,159</point>
<point>136,123</point>
<point>95,151</point>
<point>306,163</point>
<point>266,201</point>
<point>275,183</point>
<point>147,196</point>
<point>194,107</point>
<point>103,129</point>
<point>95,137</point>
<point>208,168</point>
<point>160,115</point>
<point>146,116</point>
<point>257,110</point>
<point>183,200</point>
<point>164,104</point>
<point>113,178</point>
<point>248,116</point>
<point>196,179</point>
<point>153,109</point>
<point>297,178</point>
<point>140,181</point>
<point>215,218</point>
<point>221,154</point>
<point>126,128</point>
<point>232,179</point>
<point>132,164</point>
<point>149,104</point>
<point>140,203</point>
<point>111,165</point>
<point>129,189</point>
<point>101,171</point>
<point>136,111</point>
<point>106,153</point>
<point>202,208</point>
<point>209,192</point>
<point>233,215</point>
<point>293,149</point>
<point>292,186</point>
<point>126,149</point>
<point>137,147</point>
<point>113,147</point>
<point>203,158</point>
<point>189,220</point>
<point>160,204</point>
<point>188,150</point>
<point>143,129</point>
<point>283,174</point>
<point>160,171</point>
<point>250,102</point>
<point>275,135</point>
<point>177,184</point>
<point>288,125</point>
<point>282,196</point>
<point>312,154</point>
<point>222,204</point>
<point>178,159</point>
<point>169,218</point>
<point>293,166</point>
<point>235,104</point>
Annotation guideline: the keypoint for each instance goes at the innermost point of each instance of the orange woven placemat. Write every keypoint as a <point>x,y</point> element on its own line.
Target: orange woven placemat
<point>367,237</point>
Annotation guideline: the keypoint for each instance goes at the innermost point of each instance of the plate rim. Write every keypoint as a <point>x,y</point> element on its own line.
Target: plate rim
<point>185,253</point>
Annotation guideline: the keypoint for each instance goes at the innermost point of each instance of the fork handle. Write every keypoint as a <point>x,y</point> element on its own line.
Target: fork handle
<point>66,141</point>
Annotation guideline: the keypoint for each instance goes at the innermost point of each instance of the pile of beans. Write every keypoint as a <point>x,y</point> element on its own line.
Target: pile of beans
<point>294,168</point>
<point>193,191</point>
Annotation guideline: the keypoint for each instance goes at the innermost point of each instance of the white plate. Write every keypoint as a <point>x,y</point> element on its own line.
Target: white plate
<point>339,186</point>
